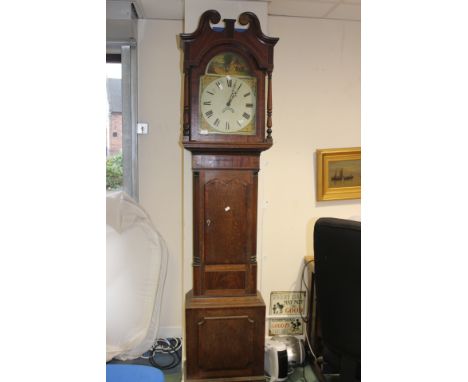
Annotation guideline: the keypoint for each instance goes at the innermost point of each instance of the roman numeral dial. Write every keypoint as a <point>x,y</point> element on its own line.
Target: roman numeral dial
<point>227,104</point>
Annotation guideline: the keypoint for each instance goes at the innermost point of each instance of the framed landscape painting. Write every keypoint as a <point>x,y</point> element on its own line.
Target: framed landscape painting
<point>339,174</point>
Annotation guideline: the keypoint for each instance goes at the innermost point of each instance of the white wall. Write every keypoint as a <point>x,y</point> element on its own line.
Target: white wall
<point>160,152</point>
<point>316,104</point>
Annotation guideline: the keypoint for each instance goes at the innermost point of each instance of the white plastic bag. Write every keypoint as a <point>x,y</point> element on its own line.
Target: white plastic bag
<point>136,271</point>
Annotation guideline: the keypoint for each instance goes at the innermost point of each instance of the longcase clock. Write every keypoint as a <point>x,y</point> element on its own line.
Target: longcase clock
<point>227,124</point>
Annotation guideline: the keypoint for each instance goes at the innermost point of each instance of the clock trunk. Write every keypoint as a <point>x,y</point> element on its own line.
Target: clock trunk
<point>225,217</point>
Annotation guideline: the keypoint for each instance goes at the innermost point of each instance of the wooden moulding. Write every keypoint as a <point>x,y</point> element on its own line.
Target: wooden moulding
<point>193,302</point>
<point>226,147</point>
<point>232,162</point>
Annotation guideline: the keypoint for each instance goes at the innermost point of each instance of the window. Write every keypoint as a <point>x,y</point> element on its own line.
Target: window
<point>121,137</point>
<point>114,164</point>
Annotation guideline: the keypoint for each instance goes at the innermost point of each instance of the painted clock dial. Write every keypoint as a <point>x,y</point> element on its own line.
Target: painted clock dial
<point>227,97</point>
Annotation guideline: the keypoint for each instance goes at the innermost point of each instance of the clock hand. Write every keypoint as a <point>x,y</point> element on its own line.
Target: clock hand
<point>233,94</point>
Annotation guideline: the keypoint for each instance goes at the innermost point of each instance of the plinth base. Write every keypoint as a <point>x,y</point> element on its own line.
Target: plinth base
<point>224,379</point>
<point>225,338</point>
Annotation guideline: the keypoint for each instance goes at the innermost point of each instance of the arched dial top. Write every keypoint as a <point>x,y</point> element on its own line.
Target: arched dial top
<point>228,94</point>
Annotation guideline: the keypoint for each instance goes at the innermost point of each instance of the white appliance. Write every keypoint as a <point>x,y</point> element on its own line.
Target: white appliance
<point>294,347</point>
<point>276,360</point>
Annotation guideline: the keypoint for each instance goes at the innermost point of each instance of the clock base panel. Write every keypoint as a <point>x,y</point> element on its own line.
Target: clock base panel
<point>225,338</point>
<point>235,379</point>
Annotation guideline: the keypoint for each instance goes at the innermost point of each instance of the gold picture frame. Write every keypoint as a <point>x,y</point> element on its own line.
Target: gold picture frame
<point>339,174</point>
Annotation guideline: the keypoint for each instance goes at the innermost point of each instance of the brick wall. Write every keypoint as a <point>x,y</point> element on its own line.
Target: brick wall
<point>115,134</point>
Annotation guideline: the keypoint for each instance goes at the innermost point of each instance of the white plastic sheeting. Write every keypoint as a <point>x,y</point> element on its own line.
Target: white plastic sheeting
<point>136,270</point>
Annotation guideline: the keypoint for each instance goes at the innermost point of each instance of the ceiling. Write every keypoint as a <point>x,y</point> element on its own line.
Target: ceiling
<point>322,9</point>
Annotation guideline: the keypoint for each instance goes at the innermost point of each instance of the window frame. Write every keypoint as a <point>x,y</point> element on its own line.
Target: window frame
<point>125,53</point>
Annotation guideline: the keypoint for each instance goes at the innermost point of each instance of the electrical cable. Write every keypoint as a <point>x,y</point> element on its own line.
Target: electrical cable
<point>306,321</point>
<point>315,363</point>
<point>291,370</point>
<point>310,346</point>
<point>168,347</point>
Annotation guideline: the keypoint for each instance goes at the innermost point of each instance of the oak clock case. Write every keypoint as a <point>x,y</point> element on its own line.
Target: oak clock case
<point>227,124</point>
